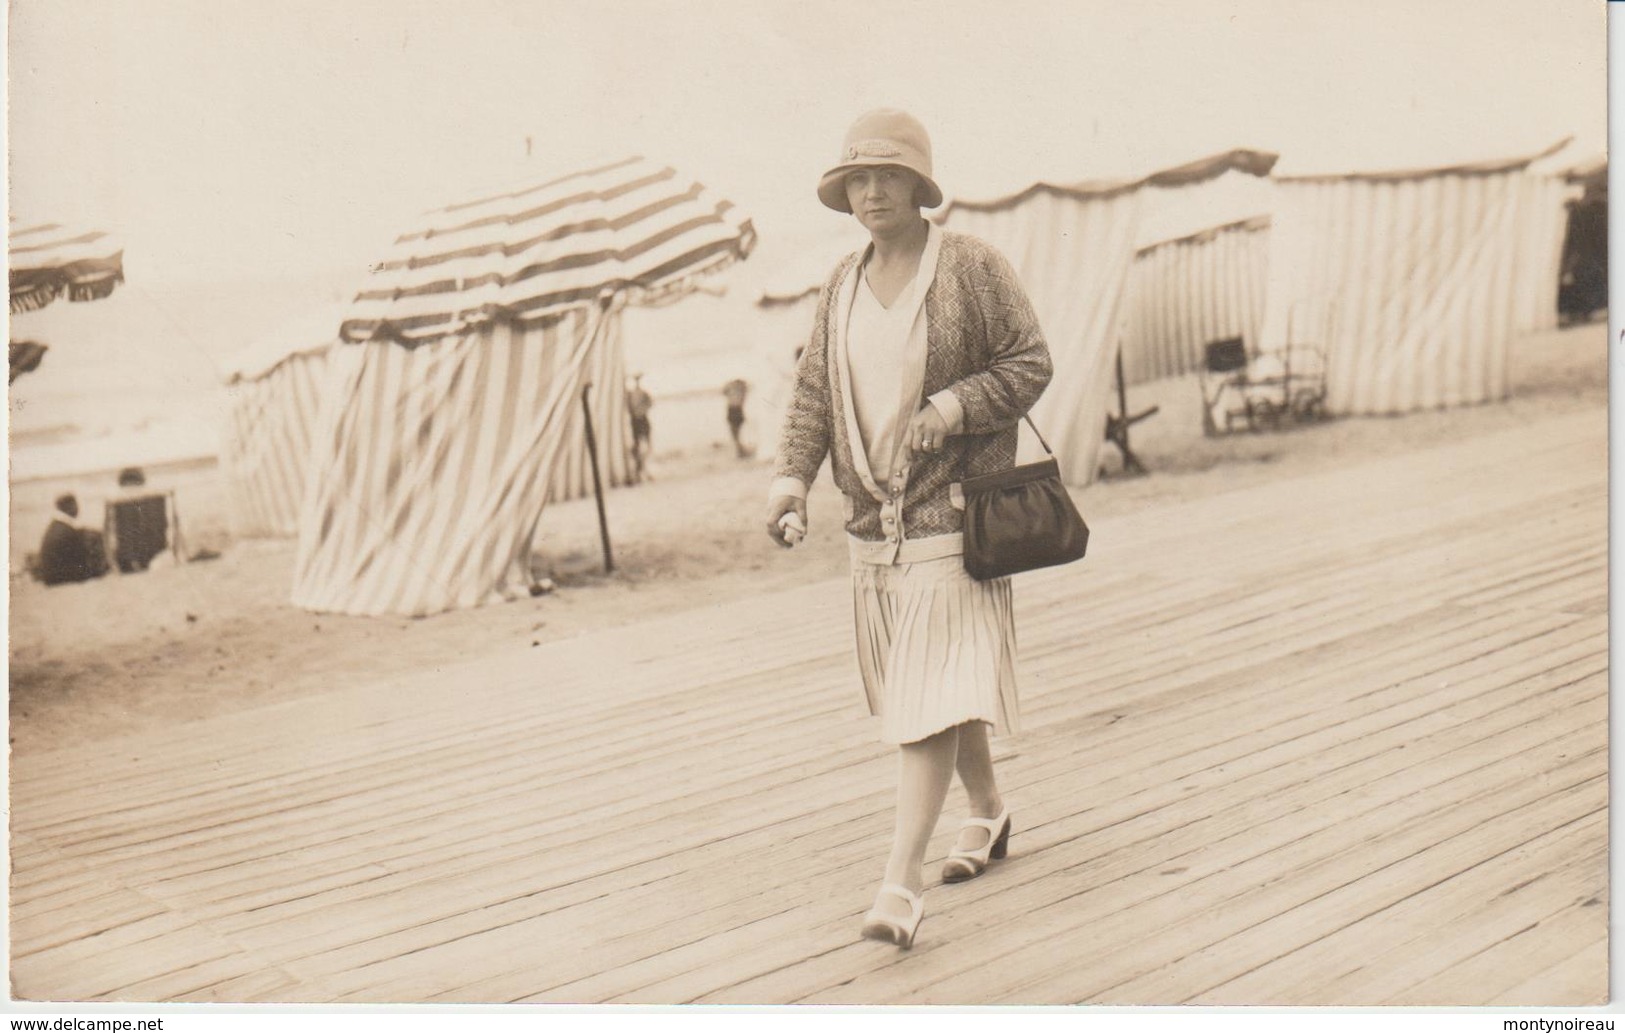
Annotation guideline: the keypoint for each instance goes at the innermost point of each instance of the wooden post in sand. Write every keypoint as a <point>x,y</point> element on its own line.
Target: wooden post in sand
<point>597,483</point>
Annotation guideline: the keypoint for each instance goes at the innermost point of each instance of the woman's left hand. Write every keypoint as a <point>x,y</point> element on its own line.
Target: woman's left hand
<point>927,431</point>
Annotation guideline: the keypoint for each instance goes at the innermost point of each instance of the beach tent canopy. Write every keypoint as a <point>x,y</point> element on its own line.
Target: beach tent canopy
<point>1591,174</point>
<point>308,335</point>
<point>1073,246</point>
<point>48,260</point>
<point>1411,282</point>
<point>630,228</point>
<point>459,389</point>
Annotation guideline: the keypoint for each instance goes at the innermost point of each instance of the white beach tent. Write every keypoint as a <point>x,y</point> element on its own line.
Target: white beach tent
<point>1073,247</point>
<point>1410,282</point>
<point>275,390</point>
<point>458,386</point>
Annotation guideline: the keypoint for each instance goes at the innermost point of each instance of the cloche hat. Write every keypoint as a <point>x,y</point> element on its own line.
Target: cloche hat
<point>884,136</point>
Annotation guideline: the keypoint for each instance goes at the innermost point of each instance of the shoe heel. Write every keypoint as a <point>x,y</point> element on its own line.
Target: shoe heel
<point>1001,846</point>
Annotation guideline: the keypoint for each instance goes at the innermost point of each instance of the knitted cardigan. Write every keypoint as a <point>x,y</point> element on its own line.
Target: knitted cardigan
<point>983,344</point>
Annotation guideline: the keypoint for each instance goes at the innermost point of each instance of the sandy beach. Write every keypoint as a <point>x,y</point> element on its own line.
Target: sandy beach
<point>187,641</point>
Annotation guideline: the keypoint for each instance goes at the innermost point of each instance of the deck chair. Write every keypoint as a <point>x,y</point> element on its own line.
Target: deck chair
<point>1288,385</point>
<point>137,529</point>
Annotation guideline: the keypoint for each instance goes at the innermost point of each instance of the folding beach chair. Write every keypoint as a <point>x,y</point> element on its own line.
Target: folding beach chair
<point>1224,385</point>
<point>137,529</point>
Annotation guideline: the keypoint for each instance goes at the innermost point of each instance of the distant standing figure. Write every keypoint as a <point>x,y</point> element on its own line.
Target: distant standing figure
<point>638,404</point>
<point>735,391</point>
<point>70,551</point>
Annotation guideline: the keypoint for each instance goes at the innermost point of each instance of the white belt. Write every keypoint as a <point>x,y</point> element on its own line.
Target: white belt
<point>909,550</point>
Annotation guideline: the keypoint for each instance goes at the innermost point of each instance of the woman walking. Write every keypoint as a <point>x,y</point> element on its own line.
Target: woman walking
<point>925,354</point>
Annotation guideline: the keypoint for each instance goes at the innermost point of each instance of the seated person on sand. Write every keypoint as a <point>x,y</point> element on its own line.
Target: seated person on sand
<point>70,551</point>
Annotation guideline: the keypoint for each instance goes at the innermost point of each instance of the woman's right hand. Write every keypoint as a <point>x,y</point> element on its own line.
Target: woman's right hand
<point>776,510</point>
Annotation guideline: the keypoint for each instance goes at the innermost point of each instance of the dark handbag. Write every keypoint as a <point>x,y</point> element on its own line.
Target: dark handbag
<point>1021,519</point>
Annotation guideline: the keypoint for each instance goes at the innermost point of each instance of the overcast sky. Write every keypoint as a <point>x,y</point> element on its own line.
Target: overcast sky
<point>246,139</point>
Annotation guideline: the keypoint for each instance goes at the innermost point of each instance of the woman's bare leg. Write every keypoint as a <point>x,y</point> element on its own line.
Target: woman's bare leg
<point>925,770</point>
<point>974,762</point>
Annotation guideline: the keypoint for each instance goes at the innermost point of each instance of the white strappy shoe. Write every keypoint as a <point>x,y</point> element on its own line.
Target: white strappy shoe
<point>968,864</point>
<point>880,926</point>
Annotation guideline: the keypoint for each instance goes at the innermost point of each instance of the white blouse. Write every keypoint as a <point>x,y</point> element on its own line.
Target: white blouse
<point>877,338</point>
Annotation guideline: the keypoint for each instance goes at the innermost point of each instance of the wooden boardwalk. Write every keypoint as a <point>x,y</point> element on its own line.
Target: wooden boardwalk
<point>1336,740</point>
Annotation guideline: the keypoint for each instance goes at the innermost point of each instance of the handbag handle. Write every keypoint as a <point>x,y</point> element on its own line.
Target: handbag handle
<point>1037,435</point>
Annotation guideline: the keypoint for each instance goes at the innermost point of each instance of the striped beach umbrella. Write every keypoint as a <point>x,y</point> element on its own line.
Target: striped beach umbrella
<point>455,411</point>
<point>48,260</point>
<point>632,228</point>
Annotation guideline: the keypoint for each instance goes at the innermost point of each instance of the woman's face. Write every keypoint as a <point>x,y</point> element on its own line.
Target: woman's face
<point>882,197</point>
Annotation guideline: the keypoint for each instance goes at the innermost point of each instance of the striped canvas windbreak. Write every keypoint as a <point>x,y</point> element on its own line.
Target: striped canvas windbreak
<point>1409,283</point>
<point>265,451</point>
<point>433,461</point>
<point>611,425</point>
<point>630,227</point>
<point>1544,222</point>
<point>48,260</point>
<point>1184,293</point>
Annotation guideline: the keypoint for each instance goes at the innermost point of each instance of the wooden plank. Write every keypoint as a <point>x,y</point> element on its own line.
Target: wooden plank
<point>1581,980</point>
<point>98,966</point>
<point>1370,959</point>
<point>1308,904</point>
<point>1549,946</point>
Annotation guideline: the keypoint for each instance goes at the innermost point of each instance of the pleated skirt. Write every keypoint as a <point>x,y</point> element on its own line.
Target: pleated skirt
<point>936,648</point>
